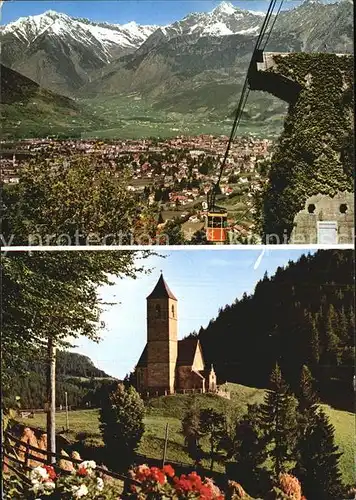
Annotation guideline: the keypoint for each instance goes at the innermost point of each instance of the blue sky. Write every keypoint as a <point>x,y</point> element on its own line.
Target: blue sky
<point>202,280</point>
<point>122,11</point>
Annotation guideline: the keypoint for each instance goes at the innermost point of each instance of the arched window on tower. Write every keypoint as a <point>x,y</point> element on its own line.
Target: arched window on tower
<point>172,311</point>
<point>158,311</point>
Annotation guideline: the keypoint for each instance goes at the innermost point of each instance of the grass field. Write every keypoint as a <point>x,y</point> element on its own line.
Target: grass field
<point>84,425</point>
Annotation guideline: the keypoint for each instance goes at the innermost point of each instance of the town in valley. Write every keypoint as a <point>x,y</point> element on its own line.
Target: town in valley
<point>173,177</point>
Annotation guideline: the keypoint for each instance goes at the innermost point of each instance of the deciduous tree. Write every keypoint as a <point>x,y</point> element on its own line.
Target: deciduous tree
<point>121,424</point>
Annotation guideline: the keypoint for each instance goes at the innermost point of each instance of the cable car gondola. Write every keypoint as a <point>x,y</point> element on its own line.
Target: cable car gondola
<point>216,226</point>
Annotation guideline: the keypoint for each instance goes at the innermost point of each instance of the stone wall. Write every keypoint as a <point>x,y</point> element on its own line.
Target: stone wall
<point>325,208</point>
<point>162,343</point>
<point>188,379</point>
<point>163,325</point>
<point>161,364</point>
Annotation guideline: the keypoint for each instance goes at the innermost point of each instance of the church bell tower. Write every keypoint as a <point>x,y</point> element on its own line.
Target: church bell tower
<point>162,341</point>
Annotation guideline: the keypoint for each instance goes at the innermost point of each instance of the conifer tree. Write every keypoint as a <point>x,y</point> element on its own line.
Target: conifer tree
<point>318,462</point>
<point>307,397</point>
<point>307,408</point>
<point>249,450</point>
<point>343,326</point>
<point>213,426</point>
<point>314,343</point>
<point>160,219</point>
<point>331,339</point>
<point>278,416</point>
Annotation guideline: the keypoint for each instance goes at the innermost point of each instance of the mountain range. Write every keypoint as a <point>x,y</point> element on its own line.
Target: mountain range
<point>193,65</point>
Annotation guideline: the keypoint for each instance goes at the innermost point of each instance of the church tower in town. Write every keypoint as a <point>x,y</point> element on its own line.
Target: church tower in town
<point>162,338</point>
<point>168,365</point>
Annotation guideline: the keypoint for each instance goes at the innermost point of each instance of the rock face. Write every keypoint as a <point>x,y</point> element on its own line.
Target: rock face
<point>38,439</point>
<point>311,176</point>
<point>325,219</point>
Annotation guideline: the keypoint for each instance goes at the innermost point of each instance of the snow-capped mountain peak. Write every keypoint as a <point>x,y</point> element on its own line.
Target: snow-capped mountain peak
<point>224,8</point>
<point>223,20</point>
<point>107,37</point>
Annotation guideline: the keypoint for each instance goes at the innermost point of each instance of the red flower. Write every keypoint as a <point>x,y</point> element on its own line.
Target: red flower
<point>82,472</point>
<point>168,470</point>
<point>206,493</point>
<point>50,471</point>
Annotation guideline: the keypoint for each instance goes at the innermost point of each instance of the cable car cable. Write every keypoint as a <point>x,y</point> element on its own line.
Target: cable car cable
<point>274,22</point>
<point>245,91</point>
<point>219,220</point>
<point>264,26</point>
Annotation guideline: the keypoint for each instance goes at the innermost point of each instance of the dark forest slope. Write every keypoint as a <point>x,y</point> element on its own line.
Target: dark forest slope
<point>304,314</point>
<point>75,374</point>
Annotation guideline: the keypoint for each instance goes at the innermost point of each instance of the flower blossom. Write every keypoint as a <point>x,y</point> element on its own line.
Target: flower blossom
<point>99,484</point>
<point>80,491</point>
<point>38,475</point>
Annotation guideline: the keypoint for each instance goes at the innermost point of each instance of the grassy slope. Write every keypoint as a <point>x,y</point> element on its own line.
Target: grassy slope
<point>29,110</point>
<point>134,117</point>
<point>170,409</point>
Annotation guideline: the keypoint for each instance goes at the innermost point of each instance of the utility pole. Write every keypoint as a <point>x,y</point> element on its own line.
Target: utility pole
<point>51,400</point>
<point>165,446</point>
<point>67,416</point>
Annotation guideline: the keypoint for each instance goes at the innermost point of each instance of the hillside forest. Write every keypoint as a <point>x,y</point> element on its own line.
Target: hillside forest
<point>75,374</point>
<point>302,315</point>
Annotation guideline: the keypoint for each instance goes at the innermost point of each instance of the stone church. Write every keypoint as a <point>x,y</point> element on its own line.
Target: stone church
<point>168,365</point>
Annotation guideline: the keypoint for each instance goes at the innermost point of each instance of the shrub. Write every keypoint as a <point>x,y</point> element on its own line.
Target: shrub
<point>122,427</point>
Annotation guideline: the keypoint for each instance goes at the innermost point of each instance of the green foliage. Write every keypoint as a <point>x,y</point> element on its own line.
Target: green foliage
<point>284,321</point>
<point>306,395</point>
<point>75,374</point>
<point>53,294</point>
<point>318,461</point>
<point>172,409</point>
<point>314,154</point>
<point>174,233</point>
<point>12,487</point>
<point>249,452</point>
<point>70,201</point>
<point>122,427</point>
<point>213,426</point>
<point>199,238</point>
<point>331,339</point>
<point>192,434</point>
<point>278,418</point>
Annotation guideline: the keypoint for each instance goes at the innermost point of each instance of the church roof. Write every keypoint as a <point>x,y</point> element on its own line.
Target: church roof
<point>142,362</point>
<point>161,290</point>
<point>186,351</point>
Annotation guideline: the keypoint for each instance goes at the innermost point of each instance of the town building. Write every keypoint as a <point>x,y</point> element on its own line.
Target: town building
<point>168,365</point>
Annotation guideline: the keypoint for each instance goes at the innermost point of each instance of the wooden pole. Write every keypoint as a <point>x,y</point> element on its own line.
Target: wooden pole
<point>51,401</point>
<point>165,446</point>
<point>67,415</point>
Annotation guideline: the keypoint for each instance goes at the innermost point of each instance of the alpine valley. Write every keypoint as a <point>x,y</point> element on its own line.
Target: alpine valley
<point>154,80</point>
